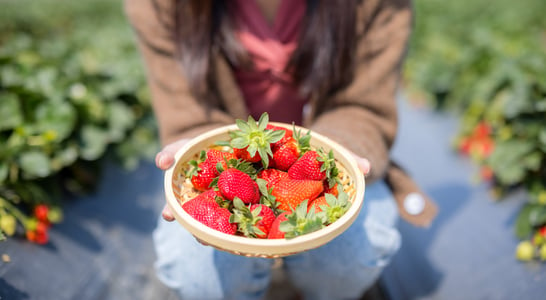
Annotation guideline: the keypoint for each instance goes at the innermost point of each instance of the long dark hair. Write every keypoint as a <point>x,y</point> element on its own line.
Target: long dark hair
<point>322,62</point>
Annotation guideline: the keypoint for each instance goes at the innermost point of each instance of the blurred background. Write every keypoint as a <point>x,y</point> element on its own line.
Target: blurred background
<point>75,113</point>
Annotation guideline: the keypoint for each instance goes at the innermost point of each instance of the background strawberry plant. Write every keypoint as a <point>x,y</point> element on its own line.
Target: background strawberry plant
<point>487,64</point>
<point>72,94</point>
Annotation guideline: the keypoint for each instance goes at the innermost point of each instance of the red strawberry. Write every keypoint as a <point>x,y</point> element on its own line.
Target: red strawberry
<point>286,137</point>
<point>254,221</point>
<point>286,155</point>
<point>41,212</point>
<point>204,175</point>
<point>204,170</point>
<point>272,176</point>
<point>290,193</point>
<point>214,156</point>
<point>274,231</point>
<point>207,196</point>
<point>315,165</point>
<point>267,215</point>
<point>317,203</point>
<point>204,209</point>
<point>330,190</point>
<point>307,167</point>
<point>235,183</point>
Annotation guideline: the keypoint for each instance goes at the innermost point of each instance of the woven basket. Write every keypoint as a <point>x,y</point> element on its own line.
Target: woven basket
<point>178,190</point>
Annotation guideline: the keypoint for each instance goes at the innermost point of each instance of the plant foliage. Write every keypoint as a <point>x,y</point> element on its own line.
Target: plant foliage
<point>72,92</point>
<point>487,63</point>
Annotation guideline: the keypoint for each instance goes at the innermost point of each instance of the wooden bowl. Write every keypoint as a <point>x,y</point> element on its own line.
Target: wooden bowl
<point>174,188</point>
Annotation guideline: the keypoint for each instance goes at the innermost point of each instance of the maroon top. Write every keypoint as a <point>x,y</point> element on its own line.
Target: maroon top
<point>267,87</point>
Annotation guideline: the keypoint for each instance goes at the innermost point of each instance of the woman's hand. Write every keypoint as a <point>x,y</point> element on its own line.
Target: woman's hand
<point>363,164</point>
<point>164,160</point>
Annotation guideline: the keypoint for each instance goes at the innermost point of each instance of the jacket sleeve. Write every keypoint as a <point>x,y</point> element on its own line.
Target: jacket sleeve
<point>179,114</point>
<point>363,116</point>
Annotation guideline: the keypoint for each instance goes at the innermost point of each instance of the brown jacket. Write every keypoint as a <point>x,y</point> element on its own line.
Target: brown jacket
<point>362,117</point>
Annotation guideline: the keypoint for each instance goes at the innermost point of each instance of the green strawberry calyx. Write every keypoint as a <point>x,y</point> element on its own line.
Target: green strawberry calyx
<point>195,164</point>
<point>246,219</point>
<point>266,197</point>
<point>329,166</point>
<point>304,141</point>
<point>301,222</point>
<point>336,207</point>
<point>256,137</point>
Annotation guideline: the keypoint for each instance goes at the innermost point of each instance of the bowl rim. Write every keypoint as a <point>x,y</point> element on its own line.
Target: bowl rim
<point>266,247</point>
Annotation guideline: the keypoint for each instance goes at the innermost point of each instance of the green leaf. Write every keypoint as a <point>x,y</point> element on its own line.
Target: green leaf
<point>34,164</point>
<point>57,118</point>
<point>64,157</point>
<point>542,137</point>
<point>3,171</point>
<point>242,125</point>
<point>506,160</point>
<point>275,135</point>
<point>10,111</point>
<point>263,121</point>
<point>537,215</point>
<point>523,225</point>
<point>94,141</point>
<point>121,119</point>
<point>239,143</point>
<point>533,161</point>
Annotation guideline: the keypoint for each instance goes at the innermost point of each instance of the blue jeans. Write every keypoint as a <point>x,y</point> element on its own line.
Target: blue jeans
<point>342,269</point>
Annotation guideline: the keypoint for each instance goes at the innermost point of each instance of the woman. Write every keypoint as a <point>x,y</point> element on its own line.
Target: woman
<point>331,66</point>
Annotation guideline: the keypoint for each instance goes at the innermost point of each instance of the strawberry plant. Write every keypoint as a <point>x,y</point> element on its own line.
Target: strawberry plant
<point>487,64</point>
<point>67,102</point>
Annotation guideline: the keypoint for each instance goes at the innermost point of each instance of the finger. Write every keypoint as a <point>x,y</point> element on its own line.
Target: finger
<point>363,165</point>
<point>167,214</point>
<point>201,241</point>
<point>165,158</point>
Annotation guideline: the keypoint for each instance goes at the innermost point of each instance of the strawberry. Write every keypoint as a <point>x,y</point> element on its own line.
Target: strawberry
<point>206,210</point>
<point>286,136</point>
<point>290,193</point>
<point>204,169</point>
<point>253,221</point>
<point>203,176</point>
<point>274,231</point>
<point>317,204</point>
<point>272,176</point>
<point>329,207</point>
<point>330,190</point>
<point>207,196</point>
<point>286,154</point>
<point>315,165</point>
<point>253,140</point>
<point>41,211</point>
<point>236,183</point>
<point>214,156</point>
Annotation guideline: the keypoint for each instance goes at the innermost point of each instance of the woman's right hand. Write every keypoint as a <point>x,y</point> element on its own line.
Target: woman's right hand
<point>164,160</point>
